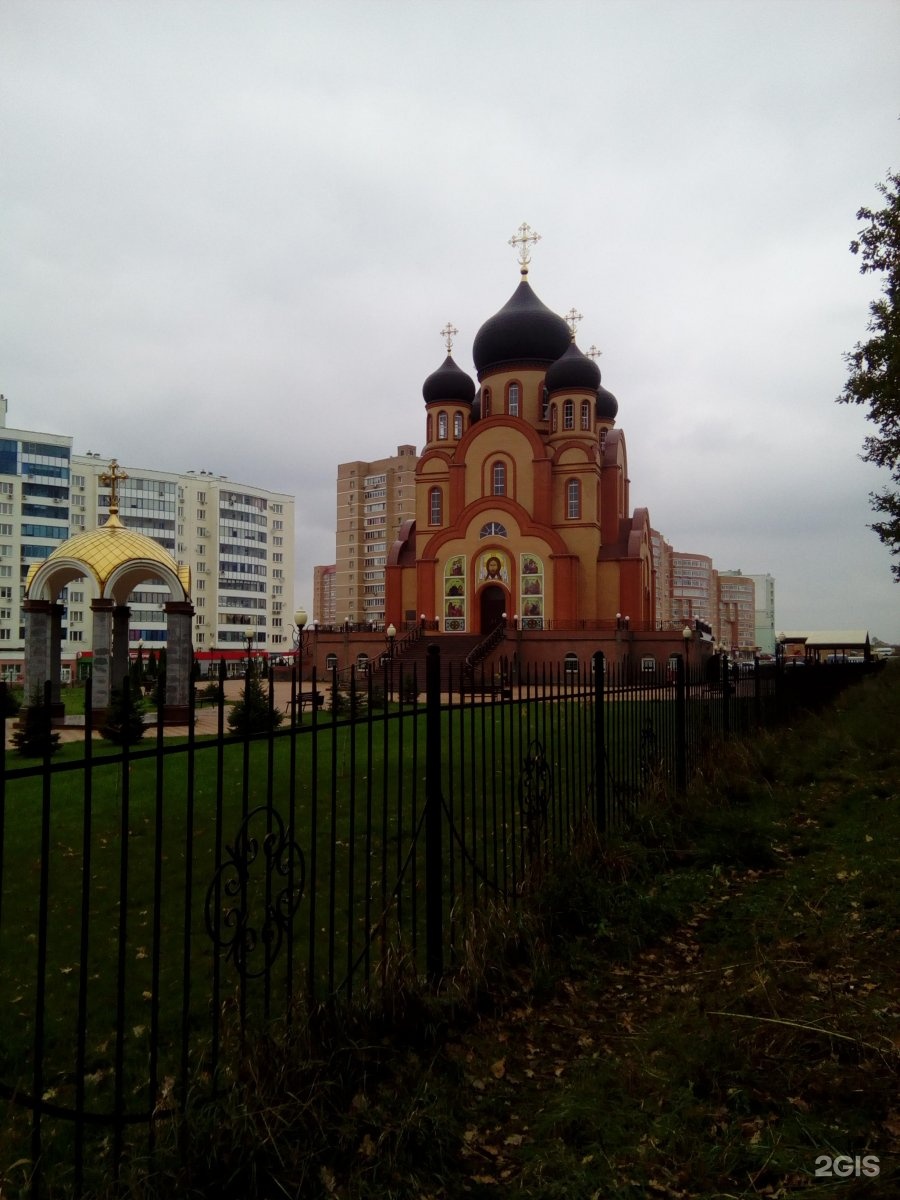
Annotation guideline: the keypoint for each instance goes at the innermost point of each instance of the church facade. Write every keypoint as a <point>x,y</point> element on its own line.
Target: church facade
<point>522,491</point>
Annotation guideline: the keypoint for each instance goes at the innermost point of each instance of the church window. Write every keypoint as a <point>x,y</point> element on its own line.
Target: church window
<point>569,414</point>
<point>513,400</point>
<point>573,500</point>
<point>493,529</point>
<point>545,404</point>
<point>429,429</point>
<point>603,433</point>
<point>585,415</point>
<point>498,479</point>
<point>457,425</point>
<point>435,506</point>
<point>486,402</point>
<point>442,426</point>
<point>553,418</point>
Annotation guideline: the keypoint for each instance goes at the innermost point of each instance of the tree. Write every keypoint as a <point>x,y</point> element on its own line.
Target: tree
<point>252,713</point>
<point>124,723</point>
<point>874,365</point>
<point>36,737</point>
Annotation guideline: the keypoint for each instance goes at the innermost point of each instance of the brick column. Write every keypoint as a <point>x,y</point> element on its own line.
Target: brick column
<point>57,708</point>
<point>38,626</point>
<point>179,661</point>
<point>120,659</point>
<point>101,665</point>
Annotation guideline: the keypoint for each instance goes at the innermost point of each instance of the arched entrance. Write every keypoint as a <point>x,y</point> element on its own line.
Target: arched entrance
<point>492,605</point>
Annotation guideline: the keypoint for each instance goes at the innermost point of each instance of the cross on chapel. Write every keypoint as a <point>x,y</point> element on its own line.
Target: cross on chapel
<point>110,478</point>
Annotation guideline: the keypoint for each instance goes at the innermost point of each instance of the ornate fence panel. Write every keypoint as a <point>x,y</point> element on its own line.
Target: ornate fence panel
<point>162,901</point>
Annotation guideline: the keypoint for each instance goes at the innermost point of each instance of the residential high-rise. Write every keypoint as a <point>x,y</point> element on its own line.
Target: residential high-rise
<point>735,623</point>
<point>374,500</point>
<point>324,610</point>
<point>237,539</point>
<point>692,588</point>
<point>765,612</point>
<point>34,520</point>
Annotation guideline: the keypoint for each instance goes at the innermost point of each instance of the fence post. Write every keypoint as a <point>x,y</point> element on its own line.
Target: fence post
<point>725,676</point>
<point>434,857</point>
<point>680,725</point>
<point>599,742</point>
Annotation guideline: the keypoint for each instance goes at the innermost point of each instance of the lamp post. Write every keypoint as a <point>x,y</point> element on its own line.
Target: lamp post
<point>391,635</point>
<point>687,635</point>
<point>301,616</point>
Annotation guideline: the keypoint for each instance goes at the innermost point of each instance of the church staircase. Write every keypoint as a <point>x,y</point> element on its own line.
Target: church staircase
<point>463,653</point>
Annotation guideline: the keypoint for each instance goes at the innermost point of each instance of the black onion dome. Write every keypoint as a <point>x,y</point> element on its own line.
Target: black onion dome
<point>607,405</point>
<point>448,382</point>
<point>573,370</point>
<point>523,330</point>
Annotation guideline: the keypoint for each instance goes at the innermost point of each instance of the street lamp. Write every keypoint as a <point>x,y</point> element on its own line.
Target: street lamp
<point>391,634</point>
<point>301,642</point>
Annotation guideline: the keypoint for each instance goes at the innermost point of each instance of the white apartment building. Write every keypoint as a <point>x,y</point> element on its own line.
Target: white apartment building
<point>237,539</point>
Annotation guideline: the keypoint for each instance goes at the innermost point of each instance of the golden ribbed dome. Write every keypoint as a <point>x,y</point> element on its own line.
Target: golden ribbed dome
<point>105,549</point>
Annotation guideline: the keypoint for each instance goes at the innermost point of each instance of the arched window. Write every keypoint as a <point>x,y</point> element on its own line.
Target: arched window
<point>553,418</point>
<point>457,425</point>
<point>331,662</point>
<point>585,414</point>
<point>512,405</point>
<point>493,529</point>
<point>569,414</point>
<point>442,426</point>
<point>570,665</point>
<point>435,506</point>
<point>498,479</point>
<point>545,404</point>
<point>429,428</point>
<point>362,662</point>
<point>486,402</point>
<point>603,433</point>
<point>573,499</point>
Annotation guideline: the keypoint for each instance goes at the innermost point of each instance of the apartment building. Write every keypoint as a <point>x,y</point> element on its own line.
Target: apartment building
<point>735,624</point>
<point>324,604</point>
<point>34,520</point>
<point>237,539</point>
<point>374,499</point>
<point>765,613</point>
<point>692,592</point>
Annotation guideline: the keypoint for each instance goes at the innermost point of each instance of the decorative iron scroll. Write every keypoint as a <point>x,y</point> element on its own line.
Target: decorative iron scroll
<point>251,910</point>
<point>535,792</point>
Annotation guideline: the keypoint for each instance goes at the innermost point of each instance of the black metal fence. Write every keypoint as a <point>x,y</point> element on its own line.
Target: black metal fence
<point>160,901</point>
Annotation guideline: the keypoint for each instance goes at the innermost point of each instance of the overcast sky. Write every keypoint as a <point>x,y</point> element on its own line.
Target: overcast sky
<point>231,233</point>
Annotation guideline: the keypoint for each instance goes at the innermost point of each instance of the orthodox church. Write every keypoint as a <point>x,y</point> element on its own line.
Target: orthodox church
<point>522,489</point>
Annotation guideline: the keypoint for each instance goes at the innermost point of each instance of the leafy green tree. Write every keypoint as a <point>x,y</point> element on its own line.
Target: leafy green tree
<point>36,736</point>
<point>252,713</point>
<point>874,365</point>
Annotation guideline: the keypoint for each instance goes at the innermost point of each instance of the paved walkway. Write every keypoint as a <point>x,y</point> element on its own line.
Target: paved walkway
<point>207,715</point>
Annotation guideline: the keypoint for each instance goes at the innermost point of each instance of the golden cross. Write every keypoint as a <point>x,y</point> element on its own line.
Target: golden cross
<point>110,479</point>
<point>594,352</point>
<point>526,237</point>
<point>573,316</point>
<point>448,333</point>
